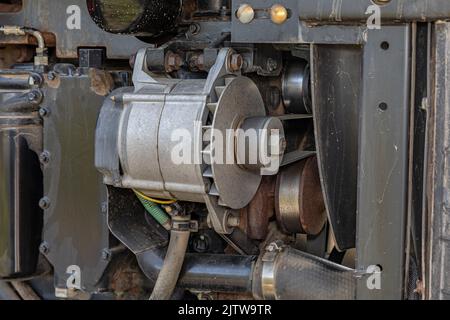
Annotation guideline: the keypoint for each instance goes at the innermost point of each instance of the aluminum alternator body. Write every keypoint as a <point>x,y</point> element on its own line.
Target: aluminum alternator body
<point>162,138</point>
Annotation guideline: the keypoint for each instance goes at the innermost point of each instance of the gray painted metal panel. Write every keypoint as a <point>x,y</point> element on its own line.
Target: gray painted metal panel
<point>383,160</point>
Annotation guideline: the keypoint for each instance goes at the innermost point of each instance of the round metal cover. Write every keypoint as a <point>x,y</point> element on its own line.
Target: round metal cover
<point>240,99</point>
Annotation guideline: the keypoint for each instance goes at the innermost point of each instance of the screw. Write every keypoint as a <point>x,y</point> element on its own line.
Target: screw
<point>32,96</point>
<point>44,157</point>
<point>272,65</point>
<point>43,112</point>
<point>44,203</point>
<point>44,248</point>
<point>106,254</point>
<point>194,28</point>
<point>51,75</point>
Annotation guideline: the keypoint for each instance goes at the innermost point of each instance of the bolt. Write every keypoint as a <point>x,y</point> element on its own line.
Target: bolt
<point>35,80</point>
<point>44,203</point>
<point>245,13</point>
<point>51,75</point>
<point>194,28</point>
<point>44,248</point>
<point>236,62</point>
<point>44,157</point>
<point>32,96</point>
<point>200,244</point>
<point>278,14</point>
<point>106,254</point>
<point>272,65</point>
<point>43,112</point>
<point>233,221</point>
<point>173,62</point>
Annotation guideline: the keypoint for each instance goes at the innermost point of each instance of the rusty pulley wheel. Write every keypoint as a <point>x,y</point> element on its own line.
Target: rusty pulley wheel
<point>299,203</point>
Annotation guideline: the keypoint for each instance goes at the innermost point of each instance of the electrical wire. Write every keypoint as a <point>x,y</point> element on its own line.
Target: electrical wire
<point>158,201</point>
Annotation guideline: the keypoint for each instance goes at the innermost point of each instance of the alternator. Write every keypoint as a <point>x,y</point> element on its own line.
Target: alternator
<point>191,140</point>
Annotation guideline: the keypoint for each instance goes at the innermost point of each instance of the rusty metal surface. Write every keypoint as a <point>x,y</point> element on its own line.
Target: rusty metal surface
<point>256,216</point>
<point>299,203</point>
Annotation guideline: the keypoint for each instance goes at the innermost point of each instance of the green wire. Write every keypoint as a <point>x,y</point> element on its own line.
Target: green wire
<point>156,212</point>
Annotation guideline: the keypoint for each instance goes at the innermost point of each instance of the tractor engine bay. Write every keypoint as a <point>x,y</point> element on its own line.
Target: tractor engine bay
<point>219,150</point>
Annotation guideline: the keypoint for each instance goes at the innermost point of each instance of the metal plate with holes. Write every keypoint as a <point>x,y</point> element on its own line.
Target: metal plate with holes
<point>383,160</point>
<point>75,227</point>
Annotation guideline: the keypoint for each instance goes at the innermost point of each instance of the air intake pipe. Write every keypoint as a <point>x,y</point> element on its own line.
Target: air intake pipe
<point>279,273</point>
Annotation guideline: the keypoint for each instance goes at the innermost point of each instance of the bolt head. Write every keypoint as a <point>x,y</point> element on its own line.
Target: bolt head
<point>44,203</point>
<point>278,14</point>
<point>106,254</point>
<point>44,157</point>
<point>272,65</point>
<point>32,96</point>
<point>51,75</point>
<point>44,248</point>
<point>245,13</point>
<point>43,112</point>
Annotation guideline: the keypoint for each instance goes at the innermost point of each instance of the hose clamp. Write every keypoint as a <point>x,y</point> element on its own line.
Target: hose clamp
<point>268,269</point>
<point>184,223</point>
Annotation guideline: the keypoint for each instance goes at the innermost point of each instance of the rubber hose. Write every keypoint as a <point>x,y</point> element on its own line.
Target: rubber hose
<point>173,262</point>
<point>156,212</point>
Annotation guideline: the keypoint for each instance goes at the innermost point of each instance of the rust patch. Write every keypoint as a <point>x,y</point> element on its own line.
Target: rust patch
<point>102,82</point>
<point>256,216</point>
<point>55,83</point>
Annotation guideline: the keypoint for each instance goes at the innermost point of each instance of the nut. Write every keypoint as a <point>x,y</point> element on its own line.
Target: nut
<point>236,62</point>
<point>173,62</point>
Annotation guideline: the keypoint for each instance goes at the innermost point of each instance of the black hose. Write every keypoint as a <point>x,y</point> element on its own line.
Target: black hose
<point>208,272</point>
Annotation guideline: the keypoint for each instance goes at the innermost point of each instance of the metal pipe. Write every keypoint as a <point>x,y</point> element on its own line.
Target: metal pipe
<point>209,272</point>
<point>279,273</point>
<point>27,102</point>
<point>285,273</point>
<point>14,84</point>
<point>41,57</point>
<point>173,262</point>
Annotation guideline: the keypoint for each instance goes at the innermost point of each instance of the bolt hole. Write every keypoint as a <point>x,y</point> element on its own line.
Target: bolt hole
<point>381,2</point>
<point>383,106</point>
<point>385,45</point>
<point>380,267</point>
